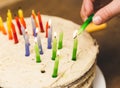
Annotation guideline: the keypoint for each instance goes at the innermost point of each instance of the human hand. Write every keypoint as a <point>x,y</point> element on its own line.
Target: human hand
<point>103,14</point>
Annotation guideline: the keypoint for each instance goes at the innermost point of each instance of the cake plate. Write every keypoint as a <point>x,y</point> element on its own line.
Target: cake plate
<point>99,81</point>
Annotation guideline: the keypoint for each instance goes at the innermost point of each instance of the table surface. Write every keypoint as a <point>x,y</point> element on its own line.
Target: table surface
<point>108,39</point>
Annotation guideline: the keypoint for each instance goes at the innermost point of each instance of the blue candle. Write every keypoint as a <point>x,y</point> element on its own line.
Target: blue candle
<point>26,38</point>
<point>27,49</point>
<point>39,42</point>
<point>33,26</point>
<point>49,35</point>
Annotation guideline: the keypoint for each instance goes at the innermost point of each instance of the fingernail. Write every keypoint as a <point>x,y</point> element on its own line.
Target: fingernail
<point>97,20</point>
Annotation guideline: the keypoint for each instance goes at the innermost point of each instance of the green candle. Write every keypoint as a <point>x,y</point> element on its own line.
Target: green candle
<point>60,43</point>
<point>56,64</point>
<point>54,47</point>
<point>38,60</point>
<point>74,47</point>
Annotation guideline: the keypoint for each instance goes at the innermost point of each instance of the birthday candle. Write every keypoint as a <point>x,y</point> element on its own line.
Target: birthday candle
<point>54,47</point>
<point>60,43</point>
<point>47,29</point>
<point>74,46</point>
<point>38,59</point>
<point>2,28</point>
<point>10,36</point>
<point>27,49</point>
<point>49,35</point>
<point>20,13</point>
<point>40,22</point>
<point>9,14</point>
<point>23,31</point>
<point>39,42</point>
<point>56,64</point>
<point>14,33</point>
<point>33,26</point>
<point>34,17</point>
<point>27,44</point>
<point>18,24</point>
<point>23,22</point>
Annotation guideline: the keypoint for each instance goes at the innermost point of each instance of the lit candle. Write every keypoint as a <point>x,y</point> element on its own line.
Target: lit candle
<point>49,35</point>
<point>33,26</point>
<point>56,64</point>
<point>54,47</point>
<point>40,22</point>
<point>74,46</point>
<point>27,44</point>
<point>39,42</point>
<point>18,25</point>
<point>47,29</point>
<point>14,33</point>
<point>60,43</point>
<point>10,36</point>
<point>2,28</point>
<point>38,59</point>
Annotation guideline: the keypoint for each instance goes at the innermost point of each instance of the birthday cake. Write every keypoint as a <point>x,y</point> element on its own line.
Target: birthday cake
<point>20,71</point>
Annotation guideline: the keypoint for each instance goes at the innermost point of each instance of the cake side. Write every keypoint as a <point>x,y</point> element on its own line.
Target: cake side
<point>17,71</point>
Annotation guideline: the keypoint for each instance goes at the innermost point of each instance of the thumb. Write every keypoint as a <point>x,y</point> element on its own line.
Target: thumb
<point>107,12</point>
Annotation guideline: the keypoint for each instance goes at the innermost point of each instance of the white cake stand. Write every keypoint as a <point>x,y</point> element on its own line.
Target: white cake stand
<point>99,81</point>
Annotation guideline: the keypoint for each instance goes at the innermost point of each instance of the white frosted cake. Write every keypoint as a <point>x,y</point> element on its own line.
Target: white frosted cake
<point>19,71</point>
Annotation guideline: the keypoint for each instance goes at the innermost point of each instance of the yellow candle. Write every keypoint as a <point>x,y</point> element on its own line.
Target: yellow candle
<point>9,29</point>
<point>20,13</point>
<point>2,28</point>
<point>9,14</point>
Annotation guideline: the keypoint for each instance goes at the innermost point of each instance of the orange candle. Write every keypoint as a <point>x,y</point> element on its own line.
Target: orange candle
<point>34,17</point>
<point>2,28</point>
<point>23,22</point>
<point>18,24</point>
<point>47,29</point>
<point>40,22</point>
<point>14,33</point>
<point>9,29</point>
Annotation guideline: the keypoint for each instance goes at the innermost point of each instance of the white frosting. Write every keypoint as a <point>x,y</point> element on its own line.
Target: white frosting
<point>18,71</point>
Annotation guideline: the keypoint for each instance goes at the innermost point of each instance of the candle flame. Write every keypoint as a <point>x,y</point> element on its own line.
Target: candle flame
<point>75,33</point>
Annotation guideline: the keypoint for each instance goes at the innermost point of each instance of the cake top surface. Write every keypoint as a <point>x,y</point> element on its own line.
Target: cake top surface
<point>17,71</point>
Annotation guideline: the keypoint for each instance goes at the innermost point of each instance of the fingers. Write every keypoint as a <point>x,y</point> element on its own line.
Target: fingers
<point>86,9</point>
<point>107,12</point>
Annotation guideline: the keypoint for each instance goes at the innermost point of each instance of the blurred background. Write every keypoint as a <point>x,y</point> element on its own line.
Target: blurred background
<point>109,39</point>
